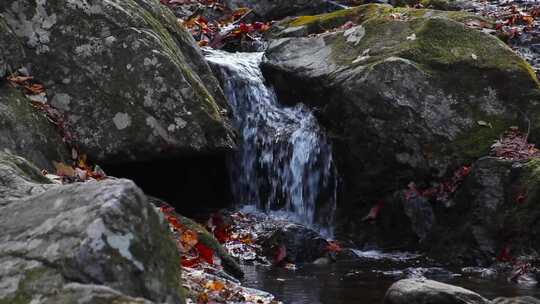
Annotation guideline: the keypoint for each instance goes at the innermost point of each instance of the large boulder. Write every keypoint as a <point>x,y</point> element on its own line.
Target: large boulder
<point>97,242</point>
<point>422,291</point>
<point>27,132</point>
<point>129,79</point>
<point>405,94</point>
<point>275,10</point>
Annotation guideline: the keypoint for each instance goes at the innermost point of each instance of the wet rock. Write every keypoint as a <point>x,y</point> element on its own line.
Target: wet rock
<point>405,221</point>
<point>493,211</point>
<point>95,242</point>
<point>516,300</point>
<point>301,244</point>
<point>401,92</point>
<point>27,132</point>
<point>130,80</point>
<point>421,291</point>
<point>275,10</point>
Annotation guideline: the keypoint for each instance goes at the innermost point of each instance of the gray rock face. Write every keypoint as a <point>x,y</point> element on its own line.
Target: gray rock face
<point>275,10</point>
<point>19,178</point>
<point>401,99</point>
<point>494,208</point>
<point>94,242</point>
<point>130,80</point>
<point>25,131</point>
<point>422,291</point>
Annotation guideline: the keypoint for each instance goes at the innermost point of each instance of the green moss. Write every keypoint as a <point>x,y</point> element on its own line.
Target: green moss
<point>323,22</point>
<point>477,141</point>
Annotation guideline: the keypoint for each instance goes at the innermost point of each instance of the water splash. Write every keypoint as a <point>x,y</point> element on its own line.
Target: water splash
<point>284,163</point>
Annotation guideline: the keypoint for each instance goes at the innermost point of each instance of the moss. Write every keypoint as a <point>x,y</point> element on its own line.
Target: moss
<point>477,141</point>
<point>323,22</point>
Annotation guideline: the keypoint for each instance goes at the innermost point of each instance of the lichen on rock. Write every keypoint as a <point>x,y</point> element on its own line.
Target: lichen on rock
<point>101,58</point>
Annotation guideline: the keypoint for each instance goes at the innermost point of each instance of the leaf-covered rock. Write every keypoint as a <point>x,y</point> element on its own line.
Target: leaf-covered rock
<point>129,78</point>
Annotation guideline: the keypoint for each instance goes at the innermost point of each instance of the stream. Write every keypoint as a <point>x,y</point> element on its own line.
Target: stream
<point>366,281</point>
<point>284,167</point>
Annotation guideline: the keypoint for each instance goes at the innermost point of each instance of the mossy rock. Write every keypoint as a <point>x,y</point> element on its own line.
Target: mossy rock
<point>26,131</point>
<point>317,24</point>
<point>129,78</point>
<point>206,238</point>
<point>405,94</point>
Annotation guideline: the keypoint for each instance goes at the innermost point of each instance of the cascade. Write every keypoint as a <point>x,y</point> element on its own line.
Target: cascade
<point>284,163</point>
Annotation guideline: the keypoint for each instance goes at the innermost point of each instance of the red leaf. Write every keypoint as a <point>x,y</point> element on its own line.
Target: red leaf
<point>206,253</point>
<point>374,211</point>
<point>280,254</point>
<point>333,246</point>
<point>189,262</point>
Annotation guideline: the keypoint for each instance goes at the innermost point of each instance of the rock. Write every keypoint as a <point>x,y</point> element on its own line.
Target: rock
<point>421,291</point>
<point>446,5</point>
<point>129,79</point>
<point>404,222</point>
<point>27,132</point>
<point>401,92</point>
<point>279,9</point>
<point>19,178</point>
<point>94,242</point>
<point>494,210</point>
<point>302,245</point>
<point>516,300</point>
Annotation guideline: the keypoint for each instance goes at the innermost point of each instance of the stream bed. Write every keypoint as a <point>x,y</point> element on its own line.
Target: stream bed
<point>366,281</point>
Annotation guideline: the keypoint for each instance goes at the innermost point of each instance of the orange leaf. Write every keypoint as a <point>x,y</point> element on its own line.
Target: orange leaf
<point>214,285</point>
<point>189,239</point>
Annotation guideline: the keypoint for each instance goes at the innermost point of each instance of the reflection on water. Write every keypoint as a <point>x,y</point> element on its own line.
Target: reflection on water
<point>365,281</point>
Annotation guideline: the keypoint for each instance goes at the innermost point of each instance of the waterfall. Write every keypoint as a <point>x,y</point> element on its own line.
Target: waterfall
<point>284,163</point>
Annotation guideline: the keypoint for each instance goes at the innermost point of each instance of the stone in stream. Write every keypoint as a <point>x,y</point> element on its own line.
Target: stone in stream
<point>94,242</point>
<point>301,244</point>
<point>130,80</point>
<point>422,291</point>
<point>402,92</point>
<point>516,300</point>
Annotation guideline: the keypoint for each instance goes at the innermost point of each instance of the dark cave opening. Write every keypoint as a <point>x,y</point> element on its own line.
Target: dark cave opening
<point>193,185</point>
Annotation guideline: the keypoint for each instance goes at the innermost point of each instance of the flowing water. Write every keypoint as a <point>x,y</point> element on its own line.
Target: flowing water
<point>284,166</point>
<point>284,163</point>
